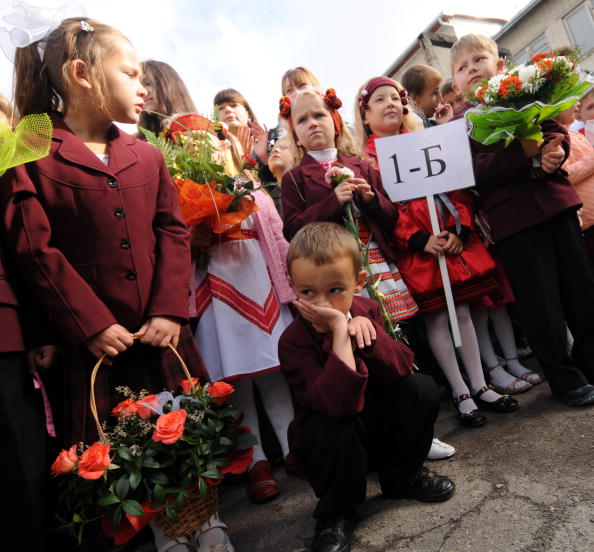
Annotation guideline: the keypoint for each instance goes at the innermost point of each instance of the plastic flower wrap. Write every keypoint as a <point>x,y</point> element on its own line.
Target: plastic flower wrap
<point>514,103</point>
<point>163,450</point>
<point>29,141</point>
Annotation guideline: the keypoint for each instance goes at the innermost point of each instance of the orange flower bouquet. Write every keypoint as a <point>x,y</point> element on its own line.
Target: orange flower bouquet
<point>195,156</point>
<point>163,451</point>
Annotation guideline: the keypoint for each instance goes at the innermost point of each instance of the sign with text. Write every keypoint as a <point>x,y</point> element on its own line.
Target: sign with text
<point>419,164</point>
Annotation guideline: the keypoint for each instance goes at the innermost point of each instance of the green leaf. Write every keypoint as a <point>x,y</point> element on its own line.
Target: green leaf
<point>171,515</point>
<point>107,500</point>
<point>246,441</point>
<point>158,478</point>
<point>150,463</point>
<point>159,493</point>
<point>132,507</point>
<point>125,453</point>
<point>122,486</point>
<point>202,487</point>
<point>135,478</point>
<point>225,441</point>
<point>179,501</point>
<point>116,517</point>
<point>211,474</point>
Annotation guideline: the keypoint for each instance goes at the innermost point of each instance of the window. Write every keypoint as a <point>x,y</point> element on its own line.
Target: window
<point>538,45</point>
<point>580,27</point>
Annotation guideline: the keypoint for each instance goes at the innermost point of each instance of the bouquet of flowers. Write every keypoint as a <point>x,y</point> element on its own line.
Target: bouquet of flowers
<point>164,451</point>
<point>512,104</point>
<point>335,175</point>
<point>207,195</point>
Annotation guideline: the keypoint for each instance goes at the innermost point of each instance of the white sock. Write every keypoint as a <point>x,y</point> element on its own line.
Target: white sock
<point>497,374</point>
<point>244,401</point>
<point>438,335</point>
<point>161,539</point>
<point>278,404</point>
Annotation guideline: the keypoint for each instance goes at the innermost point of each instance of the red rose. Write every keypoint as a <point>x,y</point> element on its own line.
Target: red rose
<point>65,461</point>
<point>170,427</point>
<point>94,461</point>
<point>142,410</point>
<point>220,391</point>
<point>186,385</point>
<point>125,408</point>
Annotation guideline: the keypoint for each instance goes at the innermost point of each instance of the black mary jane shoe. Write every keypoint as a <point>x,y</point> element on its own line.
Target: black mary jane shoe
<point>332,535</point>
<point>503,405</point>
<point>474,418</point>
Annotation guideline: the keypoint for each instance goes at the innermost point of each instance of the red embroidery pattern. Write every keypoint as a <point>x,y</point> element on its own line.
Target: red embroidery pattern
<point>265,317</point>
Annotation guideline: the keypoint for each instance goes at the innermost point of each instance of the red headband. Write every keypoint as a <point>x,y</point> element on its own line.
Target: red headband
<point>372,86</point>
<point>333,103</point>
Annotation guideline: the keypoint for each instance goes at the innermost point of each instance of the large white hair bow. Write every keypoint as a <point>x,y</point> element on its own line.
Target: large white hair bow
<point>29,23</point>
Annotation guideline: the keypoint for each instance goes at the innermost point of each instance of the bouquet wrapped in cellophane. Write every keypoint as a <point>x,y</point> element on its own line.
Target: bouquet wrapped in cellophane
<point>194,152</point>
<point>514,103</point>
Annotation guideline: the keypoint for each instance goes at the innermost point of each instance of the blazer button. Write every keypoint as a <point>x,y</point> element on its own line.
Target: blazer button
<point>125,244</point>
<point>119,212</point>
<point>131,275</point>
<point>113,183</point>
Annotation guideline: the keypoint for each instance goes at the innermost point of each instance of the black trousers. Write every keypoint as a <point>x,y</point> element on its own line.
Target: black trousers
<point>22,456</point>
<point>392,436</point>
<point>553,280</point>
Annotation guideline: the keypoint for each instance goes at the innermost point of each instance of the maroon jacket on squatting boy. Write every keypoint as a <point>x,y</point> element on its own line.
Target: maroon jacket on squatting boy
<point>99,244</point>
<point>512,200</point>
<point>308,198</point>
<point>321,382</point>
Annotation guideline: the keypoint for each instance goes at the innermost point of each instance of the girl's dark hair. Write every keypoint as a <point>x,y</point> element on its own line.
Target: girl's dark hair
<point>171,95</point>
<point>230,95</point>
<point>43,84</point>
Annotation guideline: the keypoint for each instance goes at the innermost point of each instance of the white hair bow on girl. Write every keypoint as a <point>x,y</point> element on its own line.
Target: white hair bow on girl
<point>31,23</point>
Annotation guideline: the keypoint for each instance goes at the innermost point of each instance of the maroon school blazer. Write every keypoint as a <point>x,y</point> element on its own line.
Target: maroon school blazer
<point>510,199</point>
<point>306,197</point>
<point>98,244</point>
<point>11,337</point>
<point>321,382</point>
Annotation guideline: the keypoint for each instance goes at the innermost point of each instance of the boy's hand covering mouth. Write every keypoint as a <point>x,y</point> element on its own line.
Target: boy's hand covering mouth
<point>323,319</point>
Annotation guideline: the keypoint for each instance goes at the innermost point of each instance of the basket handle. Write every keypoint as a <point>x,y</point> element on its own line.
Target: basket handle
<point>93,404</point>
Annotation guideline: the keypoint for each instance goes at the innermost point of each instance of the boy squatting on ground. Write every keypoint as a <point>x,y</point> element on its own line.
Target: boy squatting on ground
<point>358,408</point>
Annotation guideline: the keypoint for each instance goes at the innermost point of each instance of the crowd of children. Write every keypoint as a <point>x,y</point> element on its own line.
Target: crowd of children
<point>95,256</point>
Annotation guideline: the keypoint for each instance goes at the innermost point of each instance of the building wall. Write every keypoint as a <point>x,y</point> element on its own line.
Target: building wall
<point>545,18</point>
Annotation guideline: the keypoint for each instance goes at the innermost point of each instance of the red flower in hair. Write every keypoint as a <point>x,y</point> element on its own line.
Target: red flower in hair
<point>284,107</point>
<point>331,99</point>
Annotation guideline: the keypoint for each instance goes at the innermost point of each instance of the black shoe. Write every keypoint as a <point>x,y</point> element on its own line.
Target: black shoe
<point>580,396</point>
<point>503,405</point>
<point>333,535</point>
<point>474,418</point>
<point>429,487</point>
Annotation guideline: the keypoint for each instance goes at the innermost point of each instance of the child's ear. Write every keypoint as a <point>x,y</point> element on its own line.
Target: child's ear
<point>290,280</point>
<point>456,88</point>
<point>361,277</point>
<point>79,74</point>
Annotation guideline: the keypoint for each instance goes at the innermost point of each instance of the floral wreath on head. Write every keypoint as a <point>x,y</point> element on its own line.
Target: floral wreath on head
<point>332,101</point>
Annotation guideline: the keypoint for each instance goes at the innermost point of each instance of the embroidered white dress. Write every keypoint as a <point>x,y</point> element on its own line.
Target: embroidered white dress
<point>240,318</point>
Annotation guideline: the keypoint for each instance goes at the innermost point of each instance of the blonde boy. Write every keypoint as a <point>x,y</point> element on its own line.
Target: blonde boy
<point>531,208</point>
<point>358,408</point>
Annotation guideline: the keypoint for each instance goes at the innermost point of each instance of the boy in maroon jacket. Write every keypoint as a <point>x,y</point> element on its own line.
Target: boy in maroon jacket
<point>358,408</point>
<point>531,208</point>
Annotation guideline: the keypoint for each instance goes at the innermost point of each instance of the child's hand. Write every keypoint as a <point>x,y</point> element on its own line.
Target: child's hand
<point>435,244</point>
<point>111,341</point>
<point>454,245</point>
<point>159,331</point>
<point>531,147</point>
<point>362,188</point>
<point>444,113</point>
<point>344,191</point>
<point>323,319</point>
<point>260,135</point>
<point>42,357</point>
<point>362,330</point>
<point>552,155</point>
<point>245,138</point>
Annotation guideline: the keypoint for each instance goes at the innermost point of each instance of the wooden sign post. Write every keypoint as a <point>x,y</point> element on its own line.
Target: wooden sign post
<point>422,164</point>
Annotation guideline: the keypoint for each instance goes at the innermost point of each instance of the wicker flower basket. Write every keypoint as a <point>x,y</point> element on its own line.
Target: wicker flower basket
<point>196,511</point>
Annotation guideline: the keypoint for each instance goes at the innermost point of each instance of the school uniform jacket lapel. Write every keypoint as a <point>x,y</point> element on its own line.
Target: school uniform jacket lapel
<point>314,171</point>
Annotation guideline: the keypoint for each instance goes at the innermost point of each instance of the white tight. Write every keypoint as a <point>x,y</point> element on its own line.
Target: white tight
<point>277,403</point>
<point>438,334</point>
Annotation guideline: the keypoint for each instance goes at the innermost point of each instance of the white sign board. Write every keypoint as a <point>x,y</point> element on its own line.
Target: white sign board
<point>419,164</point>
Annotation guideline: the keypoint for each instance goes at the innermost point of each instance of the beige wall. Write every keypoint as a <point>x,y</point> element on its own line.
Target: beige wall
<point>545,18</point>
